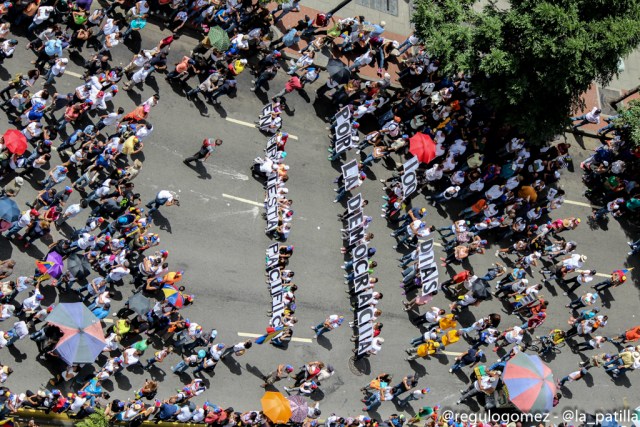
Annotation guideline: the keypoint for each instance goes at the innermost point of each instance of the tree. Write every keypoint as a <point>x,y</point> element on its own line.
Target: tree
<point>532,61</point>
<point>628,122</point>
<point>97,419</point>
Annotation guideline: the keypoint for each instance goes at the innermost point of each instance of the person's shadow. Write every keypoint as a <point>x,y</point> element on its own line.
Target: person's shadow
<point>253,370</point>
<point>233,365</point>
<point>324,342</point>
<point>161,221</point>
<point>200,169</point>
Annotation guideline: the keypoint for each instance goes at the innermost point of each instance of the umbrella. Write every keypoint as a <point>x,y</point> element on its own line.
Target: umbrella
<point>480,289</point>
<point>83,339</point>
<point>52,267</point>
<point>338,72</point>
<point>9,210</point>
<point>276,407</point>
<point>140,304</point>
<point>78,266</point>
<point>173,296</point>
<point>299,408</point>
<point>219,39</point>
<point>422,146</point>
<point>15,141</point>
<point>530,383</point>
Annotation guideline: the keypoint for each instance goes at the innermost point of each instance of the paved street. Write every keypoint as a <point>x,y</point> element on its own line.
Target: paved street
<point>217,237</point>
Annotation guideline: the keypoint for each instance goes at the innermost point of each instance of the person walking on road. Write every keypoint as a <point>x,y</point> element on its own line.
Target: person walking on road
<point>163,198</point>
<point>331,323</point>
<point>282,371</point>
<point>208,147</point>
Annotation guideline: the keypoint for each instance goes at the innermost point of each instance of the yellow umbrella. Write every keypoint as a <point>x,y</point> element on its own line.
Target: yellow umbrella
<point>276,407</point>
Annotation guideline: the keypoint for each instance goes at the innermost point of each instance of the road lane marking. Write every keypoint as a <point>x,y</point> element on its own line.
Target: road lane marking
<point>586,205</point>
<point>248,335</point>
<point>251,125</point>
<point>71,73</point>
<point>240,199</point>
<point>450,353</point>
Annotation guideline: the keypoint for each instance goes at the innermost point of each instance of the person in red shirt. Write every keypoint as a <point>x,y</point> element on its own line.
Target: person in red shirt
<point>456,280</point>
<point>292,84</point>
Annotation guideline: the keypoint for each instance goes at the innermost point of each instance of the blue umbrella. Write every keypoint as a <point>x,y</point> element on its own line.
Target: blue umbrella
<point>9,210</point>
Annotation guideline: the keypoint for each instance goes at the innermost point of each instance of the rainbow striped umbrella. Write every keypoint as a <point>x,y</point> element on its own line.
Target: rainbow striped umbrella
<point>83,338</point>
<point>530,383</point>
<point>173,296</point>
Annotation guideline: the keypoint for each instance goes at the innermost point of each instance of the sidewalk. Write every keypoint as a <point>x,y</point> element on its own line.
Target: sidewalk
<point>369,72</point>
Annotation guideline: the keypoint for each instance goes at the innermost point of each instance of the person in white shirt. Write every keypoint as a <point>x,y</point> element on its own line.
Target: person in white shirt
<point>42,14</point>
<point>56,70</point>
<point>434,173</point>
<point>583,278</point>
<point>592,116</point>
<point>139,76</point>
<point>163,198</point>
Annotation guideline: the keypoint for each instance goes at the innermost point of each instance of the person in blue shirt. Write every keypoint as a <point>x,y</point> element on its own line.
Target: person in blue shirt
<point>102,312</point>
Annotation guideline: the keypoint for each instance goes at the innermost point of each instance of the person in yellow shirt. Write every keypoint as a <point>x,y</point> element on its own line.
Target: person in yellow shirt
<point>451,337</point>
<point>428,348</point>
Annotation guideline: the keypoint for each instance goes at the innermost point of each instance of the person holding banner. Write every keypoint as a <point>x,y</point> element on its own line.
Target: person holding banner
<point>361,177</point>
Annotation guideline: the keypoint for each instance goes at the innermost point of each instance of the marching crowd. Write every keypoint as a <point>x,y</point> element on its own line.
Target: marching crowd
<point>511,191</point>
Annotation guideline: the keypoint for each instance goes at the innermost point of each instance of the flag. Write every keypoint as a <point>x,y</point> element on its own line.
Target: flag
<point>271,334</point>
<point>43,268</point>
<point>7,422</point>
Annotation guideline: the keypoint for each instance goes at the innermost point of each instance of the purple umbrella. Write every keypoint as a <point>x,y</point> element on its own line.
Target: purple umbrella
<point>53,266</point>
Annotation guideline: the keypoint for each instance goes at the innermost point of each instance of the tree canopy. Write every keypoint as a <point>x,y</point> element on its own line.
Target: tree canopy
<point>533,60</point>
<point>628,122</point>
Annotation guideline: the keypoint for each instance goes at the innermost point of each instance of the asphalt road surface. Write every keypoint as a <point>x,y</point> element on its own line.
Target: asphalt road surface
<point>217,237</point>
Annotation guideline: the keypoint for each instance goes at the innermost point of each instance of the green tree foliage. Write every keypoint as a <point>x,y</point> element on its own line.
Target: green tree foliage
<point>628,122</point>
<point>97,419</point>
<point>532,60</point>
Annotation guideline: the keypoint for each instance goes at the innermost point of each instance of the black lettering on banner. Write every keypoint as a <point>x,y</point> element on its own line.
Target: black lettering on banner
<point>409,177</point>
<point>360,266</point>
<point>272,203</point>
<point>272,255</point>
<point>360,283</point>
<point>355,221</point>
<point>428,267</point>
<point>356,235</point>
<point>275,288</point>
<point>354,203</point>
<point>342,137</point>
<point>272,151</point>
<point>365,330</point>
<point>350,174</point>
<point>359,251</point>
<point>364,298</point>
<point>343,144</point>
<point>344,114</point>
<point>267,109</point>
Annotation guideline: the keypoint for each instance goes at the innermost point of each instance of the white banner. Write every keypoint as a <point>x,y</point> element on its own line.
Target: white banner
<point>350,174</point>
<point>275,285</point>
<point>342,135</point>
<point>428,267</point>
<point>409,177</point>
<point>272,203</point>
<point>360,268</point>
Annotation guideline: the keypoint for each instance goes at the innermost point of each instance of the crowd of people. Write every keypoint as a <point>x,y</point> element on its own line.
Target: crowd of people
<point>510,190</point>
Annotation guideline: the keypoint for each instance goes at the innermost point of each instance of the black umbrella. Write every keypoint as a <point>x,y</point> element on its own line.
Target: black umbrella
<point>338,72</point>
<point>139,303</point>
<point>78,266</point>
<point>480,289</point>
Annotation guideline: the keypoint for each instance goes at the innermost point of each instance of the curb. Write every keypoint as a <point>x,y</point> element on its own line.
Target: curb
<point>65,420</point>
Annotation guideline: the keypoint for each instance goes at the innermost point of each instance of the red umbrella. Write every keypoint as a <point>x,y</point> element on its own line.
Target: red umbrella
<point>15,141</point>
<point>422,146</point>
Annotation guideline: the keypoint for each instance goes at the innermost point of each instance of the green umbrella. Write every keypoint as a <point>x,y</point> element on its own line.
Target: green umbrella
<point>219,39</point>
